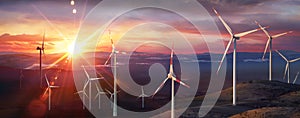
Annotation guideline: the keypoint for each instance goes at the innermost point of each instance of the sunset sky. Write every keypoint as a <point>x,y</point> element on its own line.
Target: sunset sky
<point>23,23</point>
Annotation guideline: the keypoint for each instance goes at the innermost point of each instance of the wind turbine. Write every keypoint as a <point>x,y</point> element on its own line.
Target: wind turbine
<point>143,95</point>
<point>287,67</point>
<point>49,87</point>
<point>171,76</point>
<point>111,96</point>
<point>41,49</point>
<point>114,53</point>
<point>296,77</point>
<point>234,38</point>
<point>269,43</point>
<point>89,80</point>
<point>98,95</point>
<point>83,94</point>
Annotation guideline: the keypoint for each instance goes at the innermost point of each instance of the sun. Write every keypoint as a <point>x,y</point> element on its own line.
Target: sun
<point>70,50</point>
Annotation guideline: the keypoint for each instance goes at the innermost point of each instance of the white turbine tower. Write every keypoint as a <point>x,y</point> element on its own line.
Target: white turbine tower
<point>269,44</point>
<point>142,96</point>
<point>99,95</point>
<point>234,38</point>
<point>114,54</point>
<point>49,88</point>
<point>287,67</point>
<point>42,51</point>
<point>296,77</point>
<point>89,82</point>
<point>173,78</point>
<point>83,94</point>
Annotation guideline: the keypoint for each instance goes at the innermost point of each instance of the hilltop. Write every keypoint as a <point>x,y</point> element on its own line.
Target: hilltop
<point>259,98</point>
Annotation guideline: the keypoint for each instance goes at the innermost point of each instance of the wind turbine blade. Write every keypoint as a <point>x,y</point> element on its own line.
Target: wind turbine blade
<point>110,37</point>
<point>160,86</point>
<point>108,59</point>
<point>95,79</point>
<point>171,56</point>
<point>142,90</point>
<point>286,68</point>
<point>123,52</point>
<point>143,95</point>
<point>85,95</point>
<point>54,86</point>
<point>265,31</point>
<point>224,55</point>
<point>43,44</point>
<point>85,85</point>
<point>295,60</point>
<point>86,73</point>
<point>78,92</point>
<point>97,88</point>
<point>268,42</point>
<point>247,32</point>
<point>180,82</point>
<point>47,80</point>
<point>108,91</point>
<point>111,97</point>
<point>171,59</point>
<point>281,34</point>
<point>97,95</point>
<point>43,41</point>
<point>295,78</point>
<point>104,79</point>
<point>113,48</point>
<point>171,63</point>
<point>282,56</point>
<point>111,41</point>
<point>224,23</point>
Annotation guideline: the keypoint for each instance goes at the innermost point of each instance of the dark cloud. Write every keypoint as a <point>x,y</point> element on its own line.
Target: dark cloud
<point>239,14</point>
<point>24,42</point>
<point>54,10</point>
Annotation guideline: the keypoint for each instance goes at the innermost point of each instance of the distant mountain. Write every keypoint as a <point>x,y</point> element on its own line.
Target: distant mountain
<point>250,66</point>
<point>23,60</point>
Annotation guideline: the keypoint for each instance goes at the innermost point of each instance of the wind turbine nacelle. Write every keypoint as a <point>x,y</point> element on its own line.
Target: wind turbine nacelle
<point>236,38</point>
<point>39,48</point>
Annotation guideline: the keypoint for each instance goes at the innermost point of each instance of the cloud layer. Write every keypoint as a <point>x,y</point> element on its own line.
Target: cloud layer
<point>22,23</point>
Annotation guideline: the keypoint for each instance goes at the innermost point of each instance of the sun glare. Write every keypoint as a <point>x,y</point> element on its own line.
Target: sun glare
<point>70,50</point>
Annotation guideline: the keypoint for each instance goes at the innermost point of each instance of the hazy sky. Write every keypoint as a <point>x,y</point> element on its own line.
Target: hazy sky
<point>23,23</point>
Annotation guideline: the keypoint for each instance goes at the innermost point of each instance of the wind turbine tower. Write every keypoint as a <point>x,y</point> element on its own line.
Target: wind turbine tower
<point>42,51</point>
